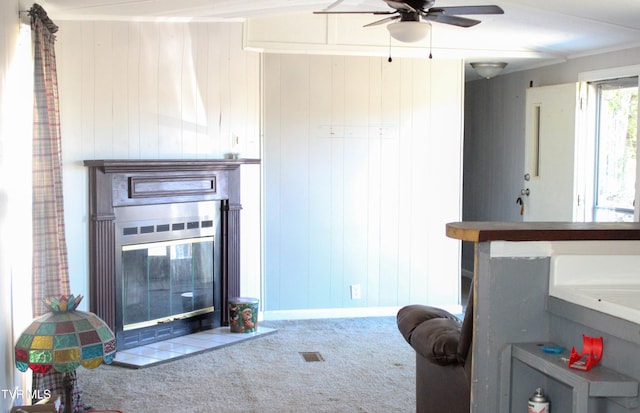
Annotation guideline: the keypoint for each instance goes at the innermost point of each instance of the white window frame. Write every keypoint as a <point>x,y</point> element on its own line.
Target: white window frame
<point>586,154</point>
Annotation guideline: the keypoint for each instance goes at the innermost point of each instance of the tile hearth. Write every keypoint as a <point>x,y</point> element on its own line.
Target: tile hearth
<point>184,346</point>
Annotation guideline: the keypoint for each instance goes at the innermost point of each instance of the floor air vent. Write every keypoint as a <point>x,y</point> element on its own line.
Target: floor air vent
<point>311,356</point>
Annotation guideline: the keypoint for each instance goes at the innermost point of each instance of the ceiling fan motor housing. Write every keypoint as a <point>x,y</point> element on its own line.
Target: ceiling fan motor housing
<point>411,16</point>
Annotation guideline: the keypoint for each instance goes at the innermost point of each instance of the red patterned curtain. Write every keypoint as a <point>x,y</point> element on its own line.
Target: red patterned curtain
<point>50,268</point>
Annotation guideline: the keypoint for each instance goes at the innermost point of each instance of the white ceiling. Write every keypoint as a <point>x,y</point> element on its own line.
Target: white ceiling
<point>531,33</point>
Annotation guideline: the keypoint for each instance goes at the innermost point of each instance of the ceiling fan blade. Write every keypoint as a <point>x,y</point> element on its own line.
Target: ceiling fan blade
<point>332,5</point>
<point>453,20</point>
<point>385,20</point>
<point>354,12</point>
<point>400,5</point>
<point>455,10</point>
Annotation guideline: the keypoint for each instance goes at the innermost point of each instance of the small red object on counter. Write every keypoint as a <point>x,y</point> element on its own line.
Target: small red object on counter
<point>590,356</point>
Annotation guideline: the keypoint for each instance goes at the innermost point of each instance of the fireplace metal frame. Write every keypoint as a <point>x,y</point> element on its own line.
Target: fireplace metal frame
<point>160,223</point>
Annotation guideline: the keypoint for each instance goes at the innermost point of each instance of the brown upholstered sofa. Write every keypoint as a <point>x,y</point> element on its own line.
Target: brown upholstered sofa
<point>443,356</point>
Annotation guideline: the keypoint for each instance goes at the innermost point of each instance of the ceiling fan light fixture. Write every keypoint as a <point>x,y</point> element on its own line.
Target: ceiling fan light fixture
<point>488,69</point>
<point>408,31</point>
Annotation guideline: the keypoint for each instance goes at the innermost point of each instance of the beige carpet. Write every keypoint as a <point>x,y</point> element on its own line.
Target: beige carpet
<point>367,367</point>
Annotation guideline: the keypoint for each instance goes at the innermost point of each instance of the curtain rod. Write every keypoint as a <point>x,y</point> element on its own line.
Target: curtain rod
<point>36,11</point>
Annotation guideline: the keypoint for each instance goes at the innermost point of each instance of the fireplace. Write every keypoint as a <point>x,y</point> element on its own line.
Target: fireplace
<point>167,269</point>
<point>164,245</point>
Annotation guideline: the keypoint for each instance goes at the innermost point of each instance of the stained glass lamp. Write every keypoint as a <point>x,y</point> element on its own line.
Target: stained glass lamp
<point>64,339</point>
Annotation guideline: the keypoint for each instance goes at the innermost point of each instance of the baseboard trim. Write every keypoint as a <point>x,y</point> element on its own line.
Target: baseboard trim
<point>308,314</point>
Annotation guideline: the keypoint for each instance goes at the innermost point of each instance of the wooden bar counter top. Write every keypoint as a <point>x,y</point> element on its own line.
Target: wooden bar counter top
<point>483,231</point>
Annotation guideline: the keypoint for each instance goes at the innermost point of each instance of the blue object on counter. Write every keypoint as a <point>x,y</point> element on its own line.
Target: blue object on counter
<point>552,349</point>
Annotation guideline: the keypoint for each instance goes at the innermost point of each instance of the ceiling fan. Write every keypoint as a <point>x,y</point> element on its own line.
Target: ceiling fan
<point>408,15</point>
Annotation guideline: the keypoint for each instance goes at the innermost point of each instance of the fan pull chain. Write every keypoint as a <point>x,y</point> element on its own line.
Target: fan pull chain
<point>390,59</point>
<point>430,40</point>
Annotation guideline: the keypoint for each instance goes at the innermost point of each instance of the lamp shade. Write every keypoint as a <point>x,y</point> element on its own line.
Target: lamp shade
<point>408,31</point>
<point>64,339</point>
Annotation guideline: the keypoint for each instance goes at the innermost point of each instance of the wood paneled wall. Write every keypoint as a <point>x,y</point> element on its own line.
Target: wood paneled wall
<point>361,158</point>
<point>141,90</point>
<point>157,90</point>
<point>362,171</point>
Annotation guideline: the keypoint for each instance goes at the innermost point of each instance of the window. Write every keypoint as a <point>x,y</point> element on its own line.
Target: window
<point>616,149</point>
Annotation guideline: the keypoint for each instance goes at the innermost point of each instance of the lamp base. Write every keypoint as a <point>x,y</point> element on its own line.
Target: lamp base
<point>68,392</point>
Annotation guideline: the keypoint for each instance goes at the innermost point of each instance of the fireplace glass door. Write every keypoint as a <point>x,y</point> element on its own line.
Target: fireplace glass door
<point>166,281</point>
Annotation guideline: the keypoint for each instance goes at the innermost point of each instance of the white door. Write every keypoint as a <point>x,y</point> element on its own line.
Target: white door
<point>549,185</point>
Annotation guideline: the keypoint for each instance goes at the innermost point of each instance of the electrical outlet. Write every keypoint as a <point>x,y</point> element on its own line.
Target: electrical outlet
<point>356,293</point>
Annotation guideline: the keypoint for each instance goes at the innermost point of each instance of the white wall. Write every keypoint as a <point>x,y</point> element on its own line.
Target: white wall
<point>179,90</point>
<point>16,107</point>
<point>155,90</point>
<point>362,172</point>
<point>9,26</point>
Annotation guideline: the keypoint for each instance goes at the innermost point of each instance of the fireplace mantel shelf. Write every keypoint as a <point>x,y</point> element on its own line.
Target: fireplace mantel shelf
<point>159,165</point>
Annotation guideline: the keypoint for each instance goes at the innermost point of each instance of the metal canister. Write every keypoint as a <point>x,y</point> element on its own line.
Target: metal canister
<point>538,403</point>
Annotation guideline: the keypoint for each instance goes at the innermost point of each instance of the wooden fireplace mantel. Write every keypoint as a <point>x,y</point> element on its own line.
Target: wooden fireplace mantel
<point>166,165</point>
<point>115,183</point>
